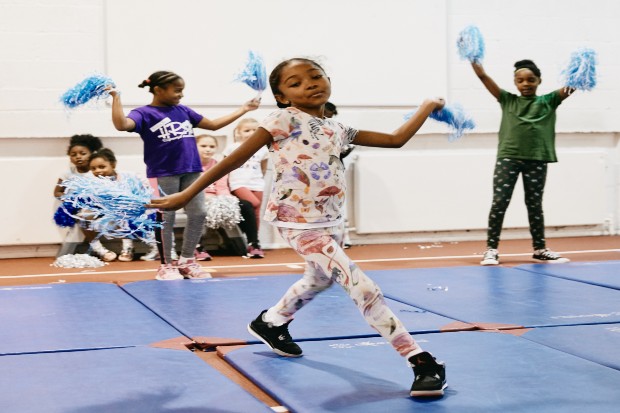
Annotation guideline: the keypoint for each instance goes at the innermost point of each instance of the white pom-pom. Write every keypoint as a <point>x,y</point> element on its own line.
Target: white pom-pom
<point>78,261</point>
<point>222,211</point>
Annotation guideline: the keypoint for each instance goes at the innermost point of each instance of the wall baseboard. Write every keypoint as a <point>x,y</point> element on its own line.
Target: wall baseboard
<point>50,250</point>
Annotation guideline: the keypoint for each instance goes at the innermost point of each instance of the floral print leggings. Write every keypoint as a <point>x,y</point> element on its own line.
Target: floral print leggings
<point>327,263</point>
<point>504,180</point>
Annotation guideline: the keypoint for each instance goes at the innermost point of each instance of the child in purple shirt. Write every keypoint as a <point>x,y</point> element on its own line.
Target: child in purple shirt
<point>172,160</point>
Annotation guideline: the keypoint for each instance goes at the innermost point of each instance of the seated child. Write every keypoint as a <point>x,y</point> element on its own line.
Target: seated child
<point>103,164</point>
<point>207,147</point>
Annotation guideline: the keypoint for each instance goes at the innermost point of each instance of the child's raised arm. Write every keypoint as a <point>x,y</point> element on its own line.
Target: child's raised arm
<point>401,135</point>
<point>233,161</point>
<point>230,118</point>
<point>120,121</point>
<point>486,79</point>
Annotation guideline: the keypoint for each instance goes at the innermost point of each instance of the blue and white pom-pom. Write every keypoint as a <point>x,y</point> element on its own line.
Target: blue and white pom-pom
<point>254,74</point>
<point>222,211</point>
<point>92,87</point>
<point>455,117</point>
<point>113,209</point>
<point>470,44</point>
<point>580,73</point>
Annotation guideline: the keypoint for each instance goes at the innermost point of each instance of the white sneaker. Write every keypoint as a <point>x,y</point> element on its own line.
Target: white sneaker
<point>102,252</point>
<point>126,255</point>
<point>491,257</point>
<point>168,272</point>
<point>173,255</point>
<point>191,269</point>
<point>152,255</point>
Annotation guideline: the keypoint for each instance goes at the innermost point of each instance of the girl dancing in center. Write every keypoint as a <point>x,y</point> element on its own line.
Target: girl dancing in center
<point>305,205</point>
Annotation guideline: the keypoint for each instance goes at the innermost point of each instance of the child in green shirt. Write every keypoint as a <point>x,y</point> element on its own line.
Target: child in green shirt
<point>526,146</point>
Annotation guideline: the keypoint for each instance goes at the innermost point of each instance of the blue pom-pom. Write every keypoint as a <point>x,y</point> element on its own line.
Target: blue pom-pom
<point>63,217</point>
<point>470,44</point>
<point>455,117</point>
<point>580,73</point>
<point>92,87</point>
<point>254,74</point>
<point>114,209</point>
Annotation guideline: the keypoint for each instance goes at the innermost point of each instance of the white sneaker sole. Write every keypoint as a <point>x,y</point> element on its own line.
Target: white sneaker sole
<point>558,261</point>
<point>428,393</point>
<point>157,277</point>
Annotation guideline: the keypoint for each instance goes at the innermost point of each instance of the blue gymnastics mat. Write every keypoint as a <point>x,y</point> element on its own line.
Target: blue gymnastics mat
<point>602,273</point>
<point>486,372</point>
<point>60,317</point>
<point>127,380</point>
<point>217,311</point>
<point>497,297</point>
<point>597,342</point>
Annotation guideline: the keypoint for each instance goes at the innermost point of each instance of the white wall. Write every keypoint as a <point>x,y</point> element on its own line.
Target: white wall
<point>382,60</point>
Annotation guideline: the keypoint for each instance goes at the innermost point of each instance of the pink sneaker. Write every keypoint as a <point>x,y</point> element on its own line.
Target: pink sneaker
<point>191,269</point>
<point>254,251</point>
<point>168,272</point>
<point>202,255</point>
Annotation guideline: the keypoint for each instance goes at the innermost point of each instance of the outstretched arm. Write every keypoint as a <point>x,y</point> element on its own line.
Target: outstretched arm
<point>120,121</point>
<point>401,135</point>
<point>233,161</point>
<point>486,80</point>
<point>231,117</point>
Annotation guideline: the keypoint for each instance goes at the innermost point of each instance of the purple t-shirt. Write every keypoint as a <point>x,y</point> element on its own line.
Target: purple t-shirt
<point>169,141</point>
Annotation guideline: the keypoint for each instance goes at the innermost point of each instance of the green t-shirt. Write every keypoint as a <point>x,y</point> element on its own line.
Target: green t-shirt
<point>527,130</point>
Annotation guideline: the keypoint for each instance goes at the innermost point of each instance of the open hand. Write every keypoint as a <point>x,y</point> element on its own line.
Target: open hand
<point>169,203</point>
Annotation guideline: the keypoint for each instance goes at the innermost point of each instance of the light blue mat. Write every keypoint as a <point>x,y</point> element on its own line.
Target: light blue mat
<point>127,380</point>
<point>61,317</point>
<point>601,273</point>
<point>497,297</point>
<point>218,310</point>
<point>486,372</point>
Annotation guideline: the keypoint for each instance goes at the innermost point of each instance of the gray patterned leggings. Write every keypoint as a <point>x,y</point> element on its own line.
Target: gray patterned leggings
<point>504,180</point>
<point>195,211</point>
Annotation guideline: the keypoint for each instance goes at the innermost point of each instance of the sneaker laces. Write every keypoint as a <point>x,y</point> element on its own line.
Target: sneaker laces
<point>547,253</point>
<point>283,333</point>
<point>490,253</point>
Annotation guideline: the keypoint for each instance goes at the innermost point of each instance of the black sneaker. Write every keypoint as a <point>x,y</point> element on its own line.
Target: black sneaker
<point>430,376</point>
<point>547,255</point>
<point>276,337</point>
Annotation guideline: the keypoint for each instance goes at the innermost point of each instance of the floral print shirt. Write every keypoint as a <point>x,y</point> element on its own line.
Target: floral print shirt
<point>309,183</point>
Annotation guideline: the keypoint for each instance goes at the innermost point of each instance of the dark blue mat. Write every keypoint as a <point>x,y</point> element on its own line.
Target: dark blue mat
<point>602,273</point>
<point>221,308</point>
<point>487,372</point>
<point>58,317</point>
<point>597,342</point>
<point>488,296</point>
<point>125,380</point>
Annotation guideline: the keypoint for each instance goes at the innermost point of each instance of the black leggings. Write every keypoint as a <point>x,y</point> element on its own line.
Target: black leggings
<point>248,225</point>
<point>504,180</point>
